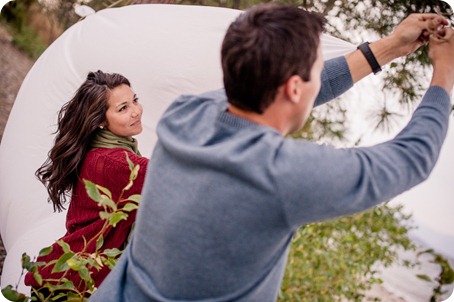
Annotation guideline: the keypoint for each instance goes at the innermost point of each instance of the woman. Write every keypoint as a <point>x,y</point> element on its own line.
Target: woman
<point>94,134</point>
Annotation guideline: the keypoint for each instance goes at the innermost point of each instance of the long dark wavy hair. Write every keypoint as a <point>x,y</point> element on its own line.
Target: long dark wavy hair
<point>78,122</point>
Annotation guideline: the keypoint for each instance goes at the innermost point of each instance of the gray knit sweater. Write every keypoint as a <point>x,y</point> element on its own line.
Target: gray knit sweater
<point>223,196</point>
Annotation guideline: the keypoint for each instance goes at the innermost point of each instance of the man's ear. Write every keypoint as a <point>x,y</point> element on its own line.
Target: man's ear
<point>293,88</point>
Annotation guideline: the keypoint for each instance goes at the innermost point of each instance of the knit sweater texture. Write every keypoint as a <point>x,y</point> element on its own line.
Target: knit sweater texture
<point>223,196</point>
<point>108,168</point>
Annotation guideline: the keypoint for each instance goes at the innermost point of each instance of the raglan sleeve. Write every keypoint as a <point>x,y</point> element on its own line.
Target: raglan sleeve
<point>319,182</point>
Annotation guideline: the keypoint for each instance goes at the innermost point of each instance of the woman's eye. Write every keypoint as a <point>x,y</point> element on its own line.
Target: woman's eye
<point>122,108</point>
<point>136,100</point>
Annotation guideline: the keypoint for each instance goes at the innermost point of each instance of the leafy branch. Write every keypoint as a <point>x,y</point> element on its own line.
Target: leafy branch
<point>84,261</point>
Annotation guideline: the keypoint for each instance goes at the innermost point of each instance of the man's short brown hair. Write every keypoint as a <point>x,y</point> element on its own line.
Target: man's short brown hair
<point>263,48</point>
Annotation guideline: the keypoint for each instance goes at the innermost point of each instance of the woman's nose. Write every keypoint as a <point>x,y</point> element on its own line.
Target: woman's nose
<point>135,111</point>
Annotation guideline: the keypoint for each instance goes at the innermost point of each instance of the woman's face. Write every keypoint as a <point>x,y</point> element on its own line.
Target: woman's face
<point>124,113</point>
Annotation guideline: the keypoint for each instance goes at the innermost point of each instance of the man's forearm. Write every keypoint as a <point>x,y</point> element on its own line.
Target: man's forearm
<point>413,32</point>
<point>384,52</point>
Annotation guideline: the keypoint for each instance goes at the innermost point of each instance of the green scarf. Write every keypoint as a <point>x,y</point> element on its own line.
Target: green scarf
<point>106,139</point>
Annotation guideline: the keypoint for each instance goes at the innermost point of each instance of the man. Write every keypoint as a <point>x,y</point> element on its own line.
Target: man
<point>226,190</point>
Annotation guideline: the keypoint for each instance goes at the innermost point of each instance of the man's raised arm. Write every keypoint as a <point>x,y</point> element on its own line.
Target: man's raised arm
<point>409,35</point>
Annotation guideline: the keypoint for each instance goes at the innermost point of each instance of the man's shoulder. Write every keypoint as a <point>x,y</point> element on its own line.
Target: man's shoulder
<point>191,105</point>
<point>209,96</point>
<point>218,94</point>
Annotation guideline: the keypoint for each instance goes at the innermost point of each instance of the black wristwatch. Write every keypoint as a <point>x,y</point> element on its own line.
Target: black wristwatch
<point>368,54</point>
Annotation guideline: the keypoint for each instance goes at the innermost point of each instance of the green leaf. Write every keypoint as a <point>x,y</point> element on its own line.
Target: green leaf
<point>92,190</point>
<point>117,217</point>
<point>97,261</point>
<point>134,173</point>
<point>109,262</point>
<point>61,264</point>
<point>129,185</point>
<point>447,273</point>
<point>99,242</point>
<point>45,251</point>
<point>104,215</point>
<point>105,191</point>
<point>66,248</point>
<point>112,252</point>
<point>424,277</point>
<point>130,163</point>
<point>90,261</point>
<point>84,274</point>
<point>40,295</point>
<point>26,263</point>
<point>66,293</point>
<point>50,263</point>
<point>130,207</point>
<point>74,264</point>
<point>135,197</point>
<point>12,295</point>
<point>107,202</point>
<point>428,251</point>
<point>65,285</point>
<point>38,278</point>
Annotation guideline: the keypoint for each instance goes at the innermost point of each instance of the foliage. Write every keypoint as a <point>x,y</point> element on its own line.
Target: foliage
<point>64,11</point>
<point>24,35</point>
<point>336,260</point>
<point>29,42</point>
<point>83,262</point>
<point>325,124</point>
<point>405,79</point>
<point>445,277</point>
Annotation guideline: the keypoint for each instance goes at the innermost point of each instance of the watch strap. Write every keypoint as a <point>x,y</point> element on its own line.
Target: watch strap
<point>369,55</point>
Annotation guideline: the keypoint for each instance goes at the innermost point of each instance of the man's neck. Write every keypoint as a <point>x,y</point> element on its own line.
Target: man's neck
<point>268,118</point>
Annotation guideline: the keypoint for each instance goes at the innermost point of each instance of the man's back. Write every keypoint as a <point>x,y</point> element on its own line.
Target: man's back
<point>216,227</point>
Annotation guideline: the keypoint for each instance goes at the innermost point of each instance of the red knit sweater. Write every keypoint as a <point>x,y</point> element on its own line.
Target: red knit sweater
<point>107,168</point>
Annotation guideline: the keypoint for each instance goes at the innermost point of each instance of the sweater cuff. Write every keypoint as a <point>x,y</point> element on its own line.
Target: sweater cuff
<point>438,96</point>
<point>339,75</point>
<point>336,79</point>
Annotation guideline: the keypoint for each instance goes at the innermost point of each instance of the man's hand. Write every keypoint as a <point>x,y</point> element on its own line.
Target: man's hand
<point>414,31</point>
<point>441,53</point>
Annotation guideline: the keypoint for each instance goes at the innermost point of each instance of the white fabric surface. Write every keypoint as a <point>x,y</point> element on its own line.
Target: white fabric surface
<point>164,50</point>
